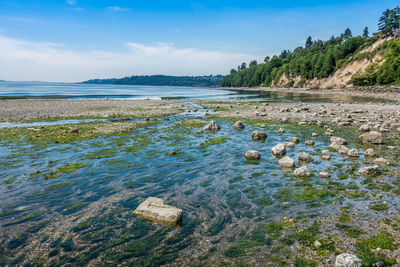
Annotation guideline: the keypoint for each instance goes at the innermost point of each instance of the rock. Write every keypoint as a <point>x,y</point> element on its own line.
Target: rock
<point>371,138</point>
<point>212,126</point>
<point>279,150</point>
<point>353,153</point>
<point>314,135</point>
<point>154,209</point>
<point>334,146</point>
<point>286,162</point>
<point>324,174</point>
<point>381,161</point>
<point>295,140</point>
<point>338,140</point>
<point>252,155</point>
<point>347,260</point>
<point>325,154</point>
<point>309,142</point>
<point>365,128</point>
<point>369,170</point>
<point>303,156</point>
<point>317,244</point>
<point>257,135</point>
<point>343,151</point>
<point>302,172</point>
<point>238,125</point>
<point>290,144</point>
<point>281,130</point>
<point>370,152</point>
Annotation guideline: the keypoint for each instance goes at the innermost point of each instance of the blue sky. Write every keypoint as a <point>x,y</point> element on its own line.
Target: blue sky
<point>73,40</point>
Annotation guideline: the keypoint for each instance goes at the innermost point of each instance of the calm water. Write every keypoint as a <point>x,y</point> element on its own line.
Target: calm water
<point>85,216</point>
<point>43,90</point>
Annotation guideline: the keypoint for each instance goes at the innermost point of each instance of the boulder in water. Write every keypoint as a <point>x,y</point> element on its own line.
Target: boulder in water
<point>154,209</point>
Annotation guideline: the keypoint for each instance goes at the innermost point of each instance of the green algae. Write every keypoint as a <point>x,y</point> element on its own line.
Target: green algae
<point>32,216</point>
<point>66,168</point>
<point>65,134</point>
<point>214,141</point>
<point>366,247</point>
<point>379,207</point>
<point>219,225</point>
<point>193,123</point>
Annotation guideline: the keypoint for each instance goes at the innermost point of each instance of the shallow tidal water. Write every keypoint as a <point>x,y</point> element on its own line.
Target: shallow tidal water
<point>72,203</point>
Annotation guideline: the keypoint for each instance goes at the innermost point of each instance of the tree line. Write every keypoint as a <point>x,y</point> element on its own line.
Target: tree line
<point>319,59</point>
<point>163,80</point>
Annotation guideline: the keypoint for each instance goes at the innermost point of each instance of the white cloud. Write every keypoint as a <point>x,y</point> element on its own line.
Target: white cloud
<point>27,61</point>
<point>71,2</point>
<point>117,8</point>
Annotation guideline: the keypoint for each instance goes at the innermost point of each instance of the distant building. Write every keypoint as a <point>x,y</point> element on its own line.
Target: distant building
<point>396,33</point>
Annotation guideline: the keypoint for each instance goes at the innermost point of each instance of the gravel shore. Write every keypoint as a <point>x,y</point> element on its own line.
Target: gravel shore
<point>47,109</point>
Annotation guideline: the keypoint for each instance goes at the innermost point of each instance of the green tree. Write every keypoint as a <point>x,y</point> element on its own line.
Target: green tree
<point>347,34</point>
<point>389,21</point>
<point>366,32</point>
<point>253,63</point>
<point>309,42</point>
<point>266,59</point>
<point>243,66</point>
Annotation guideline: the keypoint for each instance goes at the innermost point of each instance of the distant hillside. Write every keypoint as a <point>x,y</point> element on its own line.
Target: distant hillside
<point>336,63</point>
<point>163,80</point>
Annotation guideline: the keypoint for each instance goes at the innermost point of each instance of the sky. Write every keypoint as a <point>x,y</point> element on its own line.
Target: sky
<point>76,40</point>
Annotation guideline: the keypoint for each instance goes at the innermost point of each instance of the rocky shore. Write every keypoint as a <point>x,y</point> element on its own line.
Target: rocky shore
<point>28,110</point>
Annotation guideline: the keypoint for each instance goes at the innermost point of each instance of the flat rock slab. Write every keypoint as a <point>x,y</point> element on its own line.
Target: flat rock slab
<point>154,209</point>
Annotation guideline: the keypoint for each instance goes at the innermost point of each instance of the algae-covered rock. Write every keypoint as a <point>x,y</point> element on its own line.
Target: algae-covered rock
<point>302,172</point>
<point>258,135</point>
<point>338,140</point>
<point>347,260</point>
<point>286,162</point>
<point>212,126</point>
<point>369,170</point>
<point>154,209</point>
<point>303,156</point>
<point>325,154</point>
<point>239,125</point>
<point>279,150</point>
<point>371,138</point>
<point>252,155</point>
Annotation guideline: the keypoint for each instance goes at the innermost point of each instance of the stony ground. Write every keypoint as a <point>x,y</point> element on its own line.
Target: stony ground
<point>52,109</point>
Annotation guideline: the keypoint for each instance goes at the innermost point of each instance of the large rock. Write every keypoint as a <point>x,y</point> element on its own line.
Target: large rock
<point>212,126</point>
<point>343,150</point>
<point>290,144</point>
<point>338,140</point>
<point>252,155</point>
<point>334,146</point>
<point>370,152</point>
<point>353,153</point>
<point>303,156</point>
<point>295,140</point>
<point>302,172</point>
<point>369,170</point>
<point>238,125</point>
<point>154,209</point>
<point>258,135</point>
<point>279,150</point>
<point>324,174</point>
<point>371,138</point>
<point>347,260</point>
<point>381,161</point>
<point>365,128</point>
<point>325,154</point>
<point>286,162</point>
<point>310,142</point>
